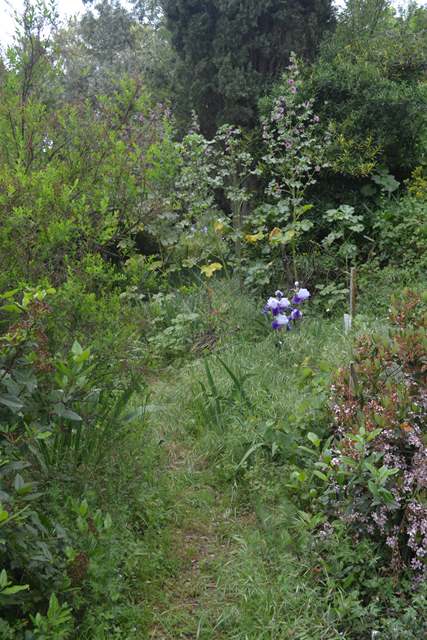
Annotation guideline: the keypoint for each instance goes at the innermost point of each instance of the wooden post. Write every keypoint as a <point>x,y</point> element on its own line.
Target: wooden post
<point>352,292</point>
<point>354,380</point>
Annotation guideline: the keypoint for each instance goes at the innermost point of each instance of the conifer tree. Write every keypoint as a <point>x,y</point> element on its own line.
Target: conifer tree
<point>230,51</point>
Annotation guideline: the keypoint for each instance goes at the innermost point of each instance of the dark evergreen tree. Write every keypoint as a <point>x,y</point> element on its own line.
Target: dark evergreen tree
<point>231,51</point>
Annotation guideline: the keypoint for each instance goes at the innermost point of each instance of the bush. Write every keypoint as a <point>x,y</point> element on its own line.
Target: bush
<point>378,460</point>
<point>57,415</point>
<point>372,90</point>
<point>401,229</point>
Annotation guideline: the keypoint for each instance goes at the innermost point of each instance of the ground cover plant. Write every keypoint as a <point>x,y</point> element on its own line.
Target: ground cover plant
<point>192,442</point>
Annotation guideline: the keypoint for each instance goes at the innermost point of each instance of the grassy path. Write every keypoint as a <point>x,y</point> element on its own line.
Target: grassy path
<point>203,541</point>
<point>236,547</point>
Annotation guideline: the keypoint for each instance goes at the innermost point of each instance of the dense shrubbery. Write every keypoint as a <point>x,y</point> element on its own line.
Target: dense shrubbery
<point>87,184</point>
<point>58,415</point>
<point>402,232</point>
<point>369,83</point>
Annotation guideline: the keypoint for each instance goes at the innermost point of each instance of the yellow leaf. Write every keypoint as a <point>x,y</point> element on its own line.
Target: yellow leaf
<point>274,233</point>
<point>290,233</point>
<point>278,237</point>
<point>254,237</point>
<point>209,269</point>
<point>218,226</point>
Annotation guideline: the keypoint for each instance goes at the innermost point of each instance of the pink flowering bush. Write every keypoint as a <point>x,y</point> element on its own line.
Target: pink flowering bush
<point>295,153</point>
<point>295,146</point>
<point>377,466</point>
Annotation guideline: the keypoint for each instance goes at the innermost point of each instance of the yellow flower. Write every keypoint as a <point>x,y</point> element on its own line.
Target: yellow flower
<point>277,236</point>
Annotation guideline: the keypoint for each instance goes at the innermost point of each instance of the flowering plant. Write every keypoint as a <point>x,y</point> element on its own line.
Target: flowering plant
<point>278,305</point>
<point>296,149</point>
<point>377,469</point>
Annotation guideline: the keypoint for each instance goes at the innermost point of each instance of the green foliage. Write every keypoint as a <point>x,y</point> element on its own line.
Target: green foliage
<point>331,296</point>
<point>175,339</point>
<point>57,415</point>
<point>213,406</point>
<point>265,459</point>
<point>401,229</point>
<point>371,468</point>
<point>369,83</point>
<point>295,153</point>
<point>308,528</point>
<point>70,182</point>
<point>110,41</point>
<point>56,624</point>
<point>346,227</point>
<point>68,406</point>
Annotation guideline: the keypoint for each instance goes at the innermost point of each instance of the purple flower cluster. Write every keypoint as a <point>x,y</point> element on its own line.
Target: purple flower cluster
<point>278,305</point>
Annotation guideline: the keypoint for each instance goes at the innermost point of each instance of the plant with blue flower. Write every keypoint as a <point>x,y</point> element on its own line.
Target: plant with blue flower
<point>286,312</point>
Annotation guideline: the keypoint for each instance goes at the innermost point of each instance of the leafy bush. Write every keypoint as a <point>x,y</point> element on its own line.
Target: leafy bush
<point>371,88</point>
<point>56,416</point>
<point>365,601</point>
<point>378,460</point>
<point>72,173</point>
<point>401,229</point>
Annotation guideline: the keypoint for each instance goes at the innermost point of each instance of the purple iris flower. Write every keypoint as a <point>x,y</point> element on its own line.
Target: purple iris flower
<point>277,305</point>
<point>280,321</point>
<point>272,305</point>
<point>296,314</point>
<point>300,296</point>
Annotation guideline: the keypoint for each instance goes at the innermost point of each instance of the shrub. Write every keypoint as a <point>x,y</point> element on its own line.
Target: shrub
<point>401,229</point>
<point>378,462</point>
<point>373,92</point>
<point>57,415</point>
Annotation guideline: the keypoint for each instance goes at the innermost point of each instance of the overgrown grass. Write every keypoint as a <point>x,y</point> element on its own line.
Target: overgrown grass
<point>211,535</point>
<point>225,551</point>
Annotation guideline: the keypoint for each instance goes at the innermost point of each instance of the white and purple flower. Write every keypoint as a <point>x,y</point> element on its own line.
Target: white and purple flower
<point>300,296</point>
<point>280,321</point>
<point>296,314</point>
<point>278,304</point>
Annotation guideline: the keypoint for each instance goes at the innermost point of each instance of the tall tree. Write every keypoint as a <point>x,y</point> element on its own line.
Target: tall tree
<point>111,41</point>
<point>231,51</point>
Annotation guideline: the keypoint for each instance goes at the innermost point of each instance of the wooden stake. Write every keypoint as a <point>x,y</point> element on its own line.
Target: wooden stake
<point>352,292</point>
<point>354,380</point>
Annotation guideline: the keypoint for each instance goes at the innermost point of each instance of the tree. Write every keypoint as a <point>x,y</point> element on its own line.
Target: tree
<point>231,51</point>
<point>71,171</point>
<point>369,83</point>
<point>109,42</point>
